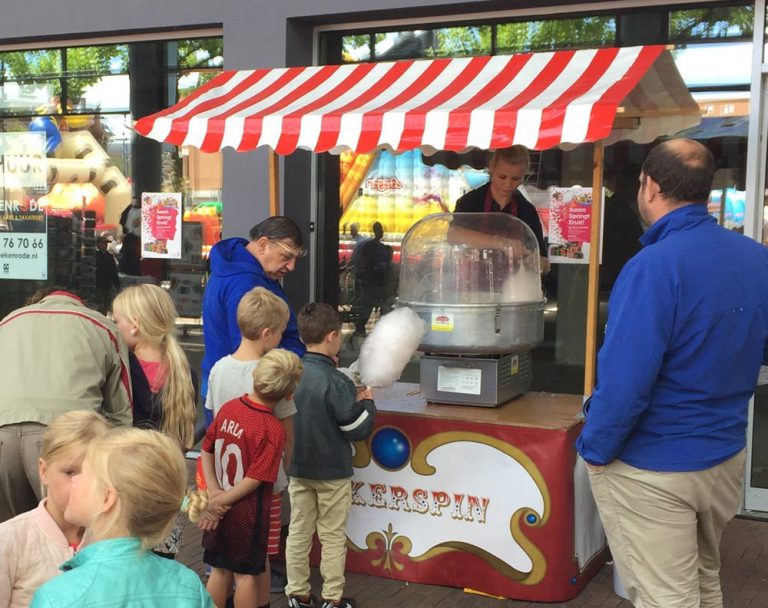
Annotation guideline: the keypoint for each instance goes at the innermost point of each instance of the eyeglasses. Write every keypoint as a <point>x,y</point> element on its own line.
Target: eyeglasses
<point>294,253</point>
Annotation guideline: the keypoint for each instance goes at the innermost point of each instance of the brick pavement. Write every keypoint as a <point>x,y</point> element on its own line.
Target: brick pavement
<point>744,574</point>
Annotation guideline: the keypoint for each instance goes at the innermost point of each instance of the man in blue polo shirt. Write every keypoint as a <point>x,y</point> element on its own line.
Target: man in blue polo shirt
<point>665,431</point>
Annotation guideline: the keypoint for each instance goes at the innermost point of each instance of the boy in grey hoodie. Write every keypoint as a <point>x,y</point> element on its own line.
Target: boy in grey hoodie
<point>331,413</point>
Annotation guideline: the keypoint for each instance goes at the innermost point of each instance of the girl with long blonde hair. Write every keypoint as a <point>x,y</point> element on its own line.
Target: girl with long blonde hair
<point>164,386</point>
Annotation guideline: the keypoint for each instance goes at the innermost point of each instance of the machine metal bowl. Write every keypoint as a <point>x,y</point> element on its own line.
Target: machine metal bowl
<point>467,329</point>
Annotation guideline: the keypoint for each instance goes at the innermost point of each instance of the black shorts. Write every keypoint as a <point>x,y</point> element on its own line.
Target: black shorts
<point>239,543</point>
<point>220,560</point>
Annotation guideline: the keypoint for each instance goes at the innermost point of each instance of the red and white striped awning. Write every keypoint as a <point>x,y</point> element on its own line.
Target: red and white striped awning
<point>539,100</point>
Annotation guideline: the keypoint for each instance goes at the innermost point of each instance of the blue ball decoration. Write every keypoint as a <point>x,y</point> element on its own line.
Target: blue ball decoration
<point>43,124</point>
<point>531,518</point>
<point>574,580</point>
<point>391,448</point>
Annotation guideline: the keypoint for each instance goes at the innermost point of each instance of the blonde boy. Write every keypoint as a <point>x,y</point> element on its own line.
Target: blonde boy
<point>262,318</point>
<point>241,454</point>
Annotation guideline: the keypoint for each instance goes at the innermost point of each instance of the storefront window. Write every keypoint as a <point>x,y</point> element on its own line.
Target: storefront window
<point>65,73</point>
<point>77,101</point>
<point>397,190</point>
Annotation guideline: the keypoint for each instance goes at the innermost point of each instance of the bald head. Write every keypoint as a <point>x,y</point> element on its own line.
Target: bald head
<point>683,169</point>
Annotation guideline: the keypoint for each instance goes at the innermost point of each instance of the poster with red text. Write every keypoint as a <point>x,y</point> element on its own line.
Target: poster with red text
<point>161,215</point>
<point>570,225</point>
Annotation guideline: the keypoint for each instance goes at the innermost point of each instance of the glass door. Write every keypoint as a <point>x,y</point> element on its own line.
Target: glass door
<point>756,483</point>
<point>756,226</point>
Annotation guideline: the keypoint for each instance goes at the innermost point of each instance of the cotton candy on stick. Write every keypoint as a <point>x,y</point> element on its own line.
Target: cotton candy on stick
<point>388,348</point>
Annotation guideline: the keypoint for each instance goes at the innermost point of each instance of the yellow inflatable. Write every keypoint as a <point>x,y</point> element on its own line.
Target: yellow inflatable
<point>80,159</point>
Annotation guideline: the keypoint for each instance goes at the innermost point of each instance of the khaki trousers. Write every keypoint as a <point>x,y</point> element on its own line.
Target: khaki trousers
<point>664,529</point>
<point>20,447</point>
<point>321,506</point>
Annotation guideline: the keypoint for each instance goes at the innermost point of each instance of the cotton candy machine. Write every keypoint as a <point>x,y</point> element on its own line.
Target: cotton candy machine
<point>474,278</point>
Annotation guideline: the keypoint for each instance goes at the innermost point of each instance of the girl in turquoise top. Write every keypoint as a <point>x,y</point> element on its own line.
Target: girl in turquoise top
<point>131,486</point>
<point>35,543</point>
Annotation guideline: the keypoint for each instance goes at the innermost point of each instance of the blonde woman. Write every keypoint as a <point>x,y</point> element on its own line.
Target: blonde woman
<point>164,386</point>
<point>507,169</point>
<point>132,485</point>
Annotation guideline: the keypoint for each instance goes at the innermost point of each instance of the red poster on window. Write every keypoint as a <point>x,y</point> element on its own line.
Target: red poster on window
<point>570,225</point>
<point>161,225</point>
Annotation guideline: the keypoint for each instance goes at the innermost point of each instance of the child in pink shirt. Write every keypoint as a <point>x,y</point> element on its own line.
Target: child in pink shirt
<point>34,544</point>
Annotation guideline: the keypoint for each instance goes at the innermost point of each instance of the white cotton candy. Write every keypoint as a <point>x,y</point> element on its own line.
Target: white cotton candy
<point>389,347</point>
<point>352,372</point>
<point>522,287</point>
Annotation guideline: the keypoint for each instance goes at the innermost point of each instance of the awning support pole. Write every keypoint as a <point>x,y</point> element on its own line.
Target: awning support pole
<point>593,295</point>
<point>274,183</point>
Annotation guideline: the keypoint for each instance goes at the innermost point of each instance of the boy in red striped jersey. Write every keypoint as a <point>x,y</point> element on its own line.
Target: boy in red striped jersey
<point>241,456</point>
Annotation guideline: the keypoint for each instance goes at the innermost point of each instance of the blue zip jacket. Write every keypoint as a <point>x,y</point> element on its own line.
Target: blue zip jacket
<point>686,334</point>
<point>234,272</point>
<point>117,572</point>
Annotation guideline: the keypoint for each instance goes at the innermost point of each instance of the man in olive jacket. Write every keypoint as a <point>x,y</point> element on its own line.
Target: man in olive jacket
<point>58,355</point>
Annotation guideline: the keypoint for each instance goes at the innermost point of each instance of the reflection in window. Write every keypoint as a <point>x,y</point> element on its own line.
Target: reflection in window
<point>355,48</point>
<point>390,46</point>
<point>19,98</point>
<point>709,23</point>
<point>714,65</point>
<point>97,60</point>
<point>24,65</point>
<point>107,94</point>
<point>552,34</point>
<point>188,82</point>
<point>200,53</point>
<point>199,60</point>
<point>461,41</point>
<point>37,80</point>
<point>89,72</point>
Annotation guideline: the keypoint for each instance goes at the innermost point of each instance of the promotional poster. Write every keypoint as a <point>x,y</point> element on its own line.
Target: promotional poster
<point>570,225</point>
<point>161,215</point>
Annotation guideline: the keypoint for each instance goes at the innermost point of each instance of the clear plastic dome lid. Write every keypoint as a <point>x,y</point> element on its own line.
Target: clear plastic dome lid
<point>470,258</point>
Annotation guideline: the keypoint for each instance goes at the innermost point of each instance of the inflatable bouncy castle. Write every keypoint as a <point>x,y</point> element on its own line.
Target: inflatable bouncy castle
<point>79,175</point>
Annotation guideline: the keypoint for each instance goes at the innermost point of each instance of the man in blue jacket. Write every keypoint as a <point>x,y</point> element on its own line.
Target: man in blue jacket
<point>665,432</point>
<point>237,266</point>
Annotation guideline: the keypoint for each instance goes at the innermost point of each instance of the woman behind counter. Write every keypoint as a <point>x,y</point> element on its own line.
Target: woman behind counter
<point>507,168</point>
